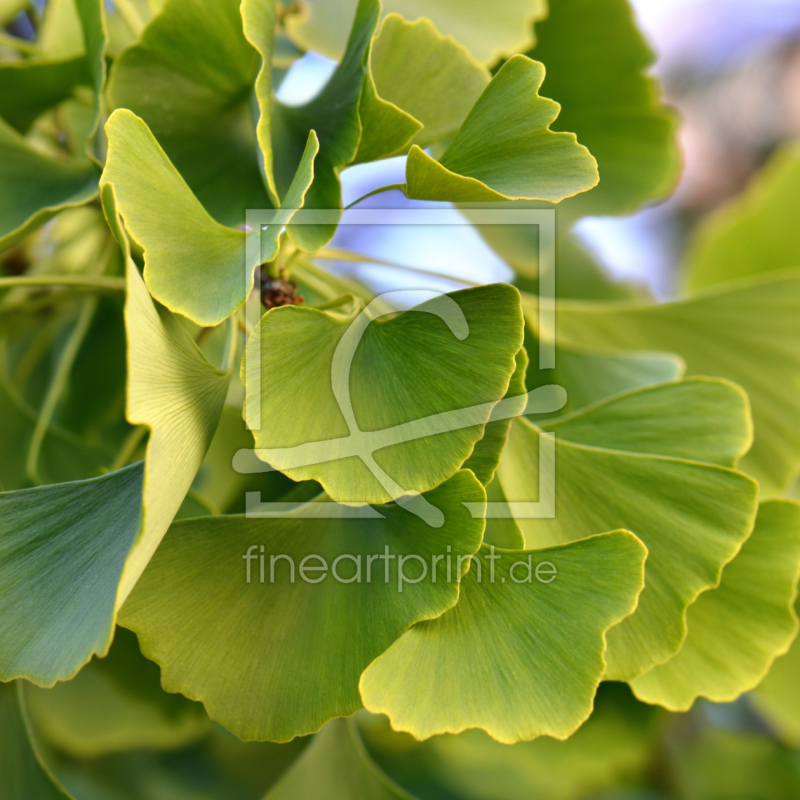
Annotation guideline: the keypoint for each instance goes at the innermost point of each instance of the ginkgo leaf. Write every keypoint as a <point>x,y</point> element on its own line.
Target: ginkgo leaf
<point>63,548</point>
<point>615,742</point>
<point>487,31</point>
<point>588,376</point>
<point>25,776</point>
<point>334,114</point>
<point>699,419</point>
<point>382,390</point>
<point>190,78</point>
<point>596,61</point>
<point>692,516</point>
<point>737,629</point>
<point>754,233</point>
<point>428,75</point>
<point>35,187</point>
<point>777,696</point>
<point>746,332</point>
<point>184,248</point>
<point>203,612</point>
<point>518,659</point>
<point>115,704</point>
<point>505,149</point>
<point>486,454</point>
<point>336,766</point>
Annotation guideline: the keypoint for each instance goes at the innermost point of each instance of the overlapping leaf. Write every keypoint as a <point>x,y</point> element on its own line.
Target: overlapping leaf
<point>25,776</point>
<point>190,78</point>
<point>114,704</point>
<point>619,464</point>
<point>335,766</point>
<point>197,616</point>
<point>505,149</point>
<point>428,75</point>
<point>193,265</point>
<point>35,186</point>
<point>518,659</point>
<point>596,61</point>
<point>451,353</point>
<point>753,234</point>
<point>737,629</point>
<point>487,31</point>
<point>746,332</point>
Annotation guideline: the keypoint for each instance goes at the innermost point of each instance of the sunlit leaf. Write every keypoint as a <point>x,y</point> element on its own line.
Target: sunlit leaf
<point>183,246</point>
<point>746,332</point>
<point>596,61</point>
<point>737,629</point>
<point>404,369</point>
<point>754,233</point>
<point>200,619</point>
<point>505,149</point>
<point>190,78</point>
<point>517,659</point>
<point>488,31</point>
<point>692,516</point>
<point>335,766</point>
<point>428,75</point>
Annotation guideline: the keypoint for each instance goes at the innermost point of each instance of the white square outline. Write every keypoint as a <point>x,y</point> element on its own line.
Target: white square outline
<point>260,220</point>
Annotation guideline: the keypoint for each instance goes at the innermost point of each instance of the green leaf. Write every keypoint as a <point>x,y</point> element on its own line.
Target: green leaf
<point>746,332</point>
<point>64,547</point>
<point>486,454</point>
<point>35,187</point>
<point>190,78</point>
<point>699,419</point>
<point>613,744</point>
<point>173,391</point>
<point>518,660</point>
<point>428,75</point>
<point>334,115</point>
<point>693,517</point>
<point>753,234</point>
<point>778,698</point>
<point>183,245</point>
<point>25,776</point>
<point>115,704</point>
<point>596,60</point>
<point>335,766</point>
<point>505,149</point>
<point>737,629</point>
<point>488,31</point>
<point>453,352</point>
<point>197,616</point>
<point>589,377</point>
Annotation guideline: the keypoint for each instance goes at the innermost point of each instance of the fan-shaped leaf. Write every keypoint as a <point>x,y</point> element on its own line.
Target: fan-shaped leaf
<point>692,516</point>
<point>190,78</point>
<point>193,265</point>
<point>197,615</point>
<point>505,149</point>
<point>517,659</point>
<point>335,766</point>
<point>488,31</point>
<point>737,629</point>
<point>747,332</point>
<point>405,369</point>
<point>753,234</point>
<point>428,75</point>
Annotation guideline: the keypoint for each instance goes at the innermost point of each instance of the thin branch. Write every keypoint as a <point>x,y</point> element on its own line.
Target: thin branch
<point>100,283</point>
<point>392,186</point>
